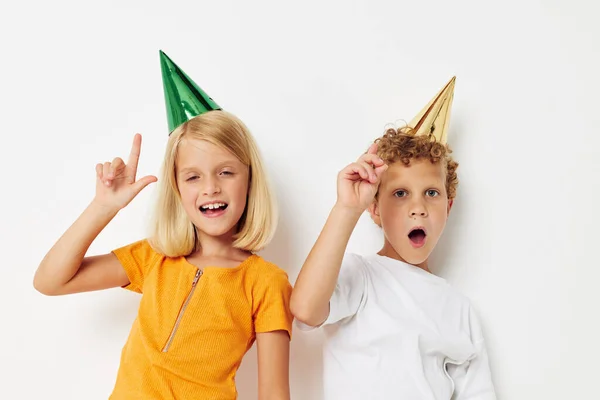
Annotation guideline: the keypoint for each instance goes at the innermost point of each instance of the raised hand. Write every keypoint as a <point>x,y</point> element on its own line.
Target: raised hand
<point>357,184</point>
<point>116,184</point>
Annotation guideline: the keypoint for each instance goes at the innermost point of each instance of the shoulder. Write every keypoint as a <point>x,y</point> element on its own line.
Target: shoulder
<point>268,283</point>
<point>140,250</point>
<point>462,300</point>
<point>266,271</point>
<point>354,263</point>
<point>142,244</point>
<point>354,260</point>
<point>467,313</point>
<point>475,325</point>
<point>265,265</point>
<point>453,300</point>
<point>138,259</point>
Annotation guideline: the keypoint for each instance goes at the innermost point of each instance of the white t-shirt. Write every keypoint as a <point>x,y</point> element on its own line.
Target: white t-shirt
<point>395,331</point>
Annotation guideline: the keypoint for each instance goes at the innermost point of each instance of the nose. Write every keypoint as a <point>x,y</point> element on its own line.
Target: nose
<point>417,209</point>
<point>211,187</point>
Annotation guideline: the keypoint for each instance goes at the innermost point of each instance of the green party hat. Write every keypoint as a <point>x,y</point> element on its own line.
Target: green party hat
<point>183,97</point>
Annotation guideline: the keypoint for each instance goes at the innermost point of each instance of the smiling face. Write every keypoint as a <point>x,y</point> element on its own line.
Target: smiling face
<point>412,207</point>
<point>213,185</point>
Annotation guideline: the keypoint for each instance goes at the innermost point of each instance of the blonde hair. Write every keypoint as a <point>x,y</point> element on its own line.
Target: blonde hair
<point>173,233</point>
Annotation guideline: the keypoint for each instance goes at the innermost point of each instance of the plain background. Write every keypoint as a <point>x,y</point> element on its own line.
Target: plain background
<point>315,81</point>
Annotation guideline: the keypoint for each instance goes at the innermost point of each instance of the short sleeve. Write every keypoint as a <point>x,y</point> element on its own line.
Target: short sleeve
<point>136,259</point>
<point>473,380</point>
<point>272,303</point>
<point>349,293</point>
<point>350,289</point>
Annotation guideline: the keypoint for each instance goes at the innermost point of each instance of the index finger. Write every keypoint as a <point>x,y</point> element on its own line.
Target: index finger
<point>372,149</point>
<point>371,159</point>
<point>134,156</point>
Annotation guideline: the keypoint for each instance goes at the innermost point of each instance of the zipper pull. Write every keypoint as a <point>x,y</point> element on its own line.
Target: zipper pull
<point>197,277</point>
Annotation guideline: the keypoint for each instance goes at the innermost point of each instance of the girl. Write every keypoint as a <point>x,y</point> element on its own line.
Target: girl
<point>206,296</point>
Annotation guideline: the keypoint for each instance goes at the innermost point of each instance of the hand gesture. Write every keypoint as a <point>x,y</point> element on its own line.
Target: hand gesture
<point>116,185</point>
<point>358,183</point>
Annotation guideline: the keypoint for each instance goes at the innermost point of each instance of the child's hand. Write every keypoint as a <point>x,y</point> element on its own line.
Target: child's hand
<point>115,182</point>
<point>359,181</point>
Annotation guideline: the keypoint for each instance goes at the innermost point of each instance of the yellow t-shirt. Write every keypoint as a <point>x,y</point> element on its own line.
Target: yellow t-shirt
<point>193,327</point>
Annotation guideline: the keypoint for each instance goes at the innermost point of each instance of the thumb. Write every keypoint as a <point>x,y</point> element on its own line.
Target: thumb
<point>142,183</point>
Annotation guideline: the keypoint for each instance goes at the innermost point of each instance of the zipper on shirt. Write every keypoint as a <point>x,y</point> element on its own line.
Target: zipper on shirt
<point>180,315</point>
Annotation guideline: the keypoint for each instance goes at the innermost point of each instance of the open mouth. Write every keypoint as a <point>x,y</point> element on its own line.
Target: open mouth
<point>211,209</point>
<point>417,236</point>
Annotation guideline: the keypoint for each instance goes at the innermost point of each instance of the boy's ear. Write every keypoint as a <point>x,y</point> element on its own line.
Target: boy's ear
<point>374,211</point>
<point>450,202</point>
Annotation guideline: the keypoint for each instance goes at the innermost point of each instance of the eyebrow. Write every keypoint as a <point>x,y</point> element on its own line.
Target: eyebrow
<point>187,169</point>
<point>223,164</point>
<point>405,186</point>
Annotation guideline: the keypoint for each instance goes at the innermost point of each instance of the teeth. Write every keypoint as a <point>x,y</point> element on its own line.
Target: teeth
<point>212,206</point>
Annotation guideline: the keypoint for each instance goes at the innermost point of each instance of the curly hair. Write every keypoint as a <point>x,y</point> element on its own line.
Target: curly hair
<point>402,145</point>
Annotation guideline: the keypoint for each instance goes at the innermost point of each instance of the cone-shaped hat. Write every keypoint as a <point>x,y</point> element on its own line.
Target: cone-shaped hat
<point>183,97</point>
<point>434,118</point>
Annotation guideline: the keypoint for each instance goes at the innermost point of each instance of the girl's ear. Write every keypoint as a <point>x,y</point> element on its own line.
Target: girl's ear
<point>450,202</point>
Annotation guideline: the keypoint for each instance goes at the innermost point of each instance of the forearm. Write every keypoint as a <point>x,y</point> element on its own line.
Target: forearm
<point>280,392</point>
<point>273,365</point>
<point>64,259</point>
<point>318,276</point>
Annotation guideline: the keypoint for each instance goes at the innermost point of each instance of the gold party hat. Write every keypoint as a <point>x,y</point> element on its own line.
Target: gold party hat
<point>434,118</point>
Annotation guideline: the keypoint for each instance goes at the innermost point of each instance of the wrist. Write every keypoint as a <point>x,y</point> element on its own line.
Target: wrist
<point>102,210</point>
<point>346,211</point>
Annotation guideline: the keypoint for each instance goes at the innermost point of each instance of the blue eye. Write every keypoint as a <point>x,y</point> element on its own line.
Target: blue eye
<point>432,193</point>
<point>400,193</point>
<point>191,178</point>
<point>226,173</point>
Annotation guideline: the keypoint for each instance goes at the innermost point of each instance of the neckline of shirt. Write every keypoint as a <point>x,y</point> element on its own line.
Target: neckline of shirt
<point>214,268</point>
<point>395,264</point>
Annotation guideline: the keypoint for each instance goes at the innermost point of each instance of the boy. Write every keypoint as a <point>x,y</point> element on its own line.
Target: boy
<point>394,330</point>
